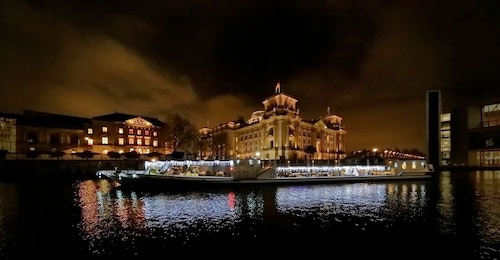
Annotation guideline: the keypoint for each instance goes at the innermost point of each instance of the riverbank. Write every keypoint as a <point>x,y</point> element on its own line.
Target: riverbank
<point>467,168</point>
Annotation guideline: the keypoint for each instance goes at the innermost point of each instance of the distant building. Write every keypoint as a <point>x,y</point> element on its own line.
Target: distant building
<point>46,132</point>
<point>433,112</point>
<point>8,132</point>
<point>124,133</point>
<point>276,132</point>
<point>445,144</point>
<point>470,134</point>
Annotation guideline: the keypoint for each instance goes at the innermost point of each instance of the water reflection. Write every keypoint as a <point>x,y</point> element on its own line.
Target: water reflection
<point>99,203</point>
<point>456,215</point>
<point>190,217</point>
<point>374,201</point>
<point>8,214</point>
<point>487,192</point>
<point>469,212</point>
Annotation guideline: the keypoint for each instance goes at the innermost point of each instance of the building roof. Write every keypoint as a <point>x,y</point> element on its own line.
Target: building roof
<point>43,119</point>
<point>121,117</point>
<point>9,115</point>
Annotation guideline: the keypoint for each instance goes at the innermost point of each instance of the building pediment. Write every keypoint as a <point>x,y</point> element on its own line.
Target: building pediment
<point>138,121</point>
<point>320,123</point>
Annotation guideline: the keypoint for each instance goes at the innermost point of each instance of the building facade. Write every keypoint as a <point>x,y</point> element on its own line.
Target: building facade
<point>275,133</point>
<point>470,135</point>
<point>124,133</point>
<point>8,132</point>
<point>50,133</point>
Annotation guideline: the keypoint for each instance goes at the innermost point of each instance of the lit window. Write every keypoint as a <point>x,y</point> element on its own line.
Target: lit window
<point>131,141</point>
<point>121,141</point>
<point>120,130</point>
<point>147,142</point>
<point>155,133</point>
<point>139,141</point>
<point>139,132</point>
<point>104,129</point>
<point>146,132</point>
<point>155,143</point>
<point>90,141</point>
<point>104,140</point>
<point>130,131</point>
<point>90,131</point>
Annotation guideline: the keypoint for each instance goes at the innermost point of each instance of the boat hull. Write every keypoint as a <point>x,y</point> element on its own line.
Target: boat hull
<point>150,181</point>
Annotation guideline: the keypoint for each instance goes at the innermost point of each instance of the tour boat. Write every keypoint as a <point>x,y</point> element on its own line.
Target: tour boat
<point>204,173</point>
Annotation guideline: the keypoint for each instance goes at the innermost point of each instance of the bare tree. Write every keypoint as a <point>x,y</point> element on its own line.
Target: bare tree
<point>181,134</point>
<point>310,150</point>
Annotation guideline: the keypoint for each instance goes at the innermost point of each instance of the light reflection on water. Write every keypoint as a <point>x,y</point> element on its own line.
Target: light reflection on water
<point>469,211</point>
<point>375,202</point>
<point>8,213</point>
<point>456,215</point>
<point>120,216</point>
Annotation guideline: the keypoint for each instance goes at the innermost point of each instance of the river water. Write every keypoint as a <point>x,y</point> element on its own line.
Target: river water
<point>455,215</point>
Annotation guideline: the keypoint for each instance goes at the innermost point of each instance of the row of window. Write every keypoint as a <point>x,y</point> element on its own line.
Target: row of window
<point>255,135</point>
<point>121,141</point>
<point>488,158</point>
<point>121,130</point>
<point>491,115</point>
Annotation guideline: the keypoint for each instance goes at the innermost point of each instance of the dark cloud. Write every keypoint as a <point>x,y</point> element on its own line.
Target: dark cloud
<point>212,61</point>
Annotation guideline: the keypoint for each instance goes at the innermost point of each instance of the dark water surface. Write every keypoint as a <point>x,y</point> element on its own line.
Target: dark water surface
<point>455,215</point>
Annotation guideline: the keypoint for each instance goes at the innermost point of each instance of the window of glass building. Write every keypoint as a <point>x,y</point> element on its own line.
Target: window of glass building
<point>490,115</point>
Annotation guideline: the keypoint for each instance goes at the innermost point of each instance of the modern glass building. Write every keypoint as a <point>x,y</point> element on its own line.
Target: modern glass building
<point>470,135</point>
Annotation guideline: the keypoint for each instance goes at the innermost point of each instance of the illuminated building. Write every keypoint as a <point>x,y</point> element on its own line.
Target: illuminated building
<point>124,133</point>
<point>276,132</point>
<point>8,132</point>
<point>470,134</point>
<point>48,133</point>
<point>445,144</point>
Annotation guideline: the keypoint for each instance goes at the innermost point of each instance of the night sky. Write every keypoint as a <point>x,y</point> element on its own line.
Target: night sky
<point>211,61</point>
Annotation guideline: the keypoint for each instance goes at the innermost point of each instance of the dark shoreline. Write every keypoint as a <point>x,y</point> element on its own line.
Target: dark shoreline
<point>467,168</point>
<point>13,170</point>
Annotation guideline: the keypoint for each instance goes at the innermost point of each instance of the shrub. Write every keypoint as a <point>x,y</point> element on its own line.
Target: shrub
<point>32,154</point>
<point>131,155</point>
<point>85,155</point>
<point>56,154</point>
<point>3,154</point>
<point>114,155</point>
